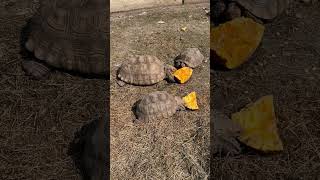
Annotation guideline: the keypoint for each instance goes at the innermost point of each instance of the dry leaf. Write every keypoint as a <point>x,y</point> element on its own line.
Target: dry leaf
<point>258,125</point>
<point>183,28</point>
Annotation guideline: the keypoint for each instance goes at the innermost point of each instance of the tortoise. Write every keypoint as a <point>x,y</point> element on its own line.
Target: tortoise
<point>191,57</point>
<point>69,35</point>
<point>158,104</point>
<point>225,133</point>
<point>144,70</point>
<point>89,149</point>
<point>260,10</point>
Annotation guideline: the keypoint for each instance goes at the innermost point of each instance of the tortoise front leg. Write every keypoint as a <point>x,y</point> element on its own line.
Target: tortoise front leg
<point>35,69</point>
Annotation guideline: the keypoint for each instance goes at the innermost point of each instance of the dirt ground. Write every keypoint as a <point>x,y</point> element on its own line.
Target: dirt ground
<point>173,148</point>
<point>287,65</point>
<point>38,119</point>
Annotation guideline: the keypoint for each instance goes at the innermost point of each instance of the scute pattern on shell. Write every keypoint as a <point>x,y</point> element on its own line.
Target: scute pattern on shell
<point>265,9</point>
<point>156,105</point>
<point>192,57</point>
<point>142,70</point>
<point>71,35</point>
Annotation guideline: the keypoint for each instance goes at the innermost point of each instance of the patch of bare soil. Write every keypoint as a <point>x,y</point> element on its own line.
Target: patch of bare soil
<point>38,119</point>
<point>173,148</point>
<point>287,65</point>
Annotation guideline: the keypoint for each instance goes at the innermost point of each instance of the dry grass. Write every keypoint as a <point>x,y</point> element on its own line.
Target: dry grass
<point>38,119</point>
<point>173,148</point>
<point>287,66</point>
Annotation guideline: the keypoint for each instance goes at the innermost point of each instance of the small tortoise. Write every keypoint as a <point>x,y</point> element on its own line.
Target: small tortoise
<point>144,70</point>
<point>191,57</point>
<point>69,35</point>
<point>260,10</point>
<point>158,104</point>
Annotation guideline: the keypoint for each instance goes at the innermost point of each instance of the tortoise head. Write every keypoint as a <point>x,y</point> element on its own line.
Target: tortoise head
<point>178,62</point>
<point>180,103</point>
<point>169,70</point>
<point>234,10</point>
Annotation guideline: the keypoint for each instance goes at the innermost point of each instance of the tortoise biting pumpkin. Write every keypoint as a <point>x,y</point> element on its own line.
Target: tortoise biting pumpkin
<point>148,70</point>
<point>161,104</point>
<point>69,35</point>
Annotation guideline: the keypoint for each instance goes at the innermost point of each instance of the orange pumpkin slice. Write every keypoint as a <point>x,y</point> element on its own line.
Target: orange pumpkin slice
<point>235,41</point>
<point>258,125</point>
<point>190,101</point>
<point>183,74</point>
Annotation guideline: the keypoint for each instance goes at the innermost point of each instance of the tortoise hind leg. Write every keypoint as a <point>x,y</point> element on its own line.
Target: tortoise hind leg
<point>35,69</point>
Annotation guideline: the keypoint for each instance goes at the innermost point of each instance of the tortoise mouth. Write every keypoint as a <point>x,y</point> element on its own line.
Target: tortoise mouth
<point>169,70</point>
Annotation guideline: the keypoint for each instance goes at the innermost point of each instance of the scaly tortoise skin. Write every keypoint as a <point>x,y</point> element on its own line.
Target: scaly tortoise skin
<point>260,10</point>
<point>69,35</point>
<point>225,133</point>
<point>158,104</point>
<point>191,57</point>
<point>144,70</point>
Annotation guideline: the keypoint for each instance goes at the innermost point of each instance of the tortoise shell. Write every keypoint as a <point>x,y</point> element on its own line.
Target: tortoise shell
<point>70,35</point>
<point>264,9</point>
<point>191,57</point>
<point>159,104</point>
<point>142,70</point>
<point>92,137</point>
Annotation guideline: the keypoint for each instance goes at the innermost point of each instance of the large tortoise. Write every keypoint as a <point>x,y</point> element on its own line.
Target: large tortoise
<point>260,10</point>
<point>144,70</point>
<point>69,35</point>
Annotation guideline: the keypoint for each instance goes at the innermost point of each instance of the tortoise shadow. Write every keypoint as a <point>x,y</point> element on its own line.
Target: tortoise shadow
<point>134,109</point>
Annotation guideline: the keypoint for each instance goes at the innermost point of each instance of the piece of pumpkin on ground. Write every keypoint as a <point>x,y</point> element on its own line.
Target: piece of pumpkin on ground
<point>190,101</point>
<point>258,125</point>
<point>235,41</point>
<point>183,74</point>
